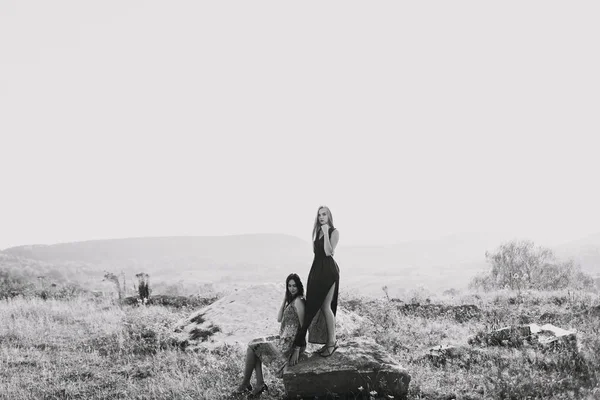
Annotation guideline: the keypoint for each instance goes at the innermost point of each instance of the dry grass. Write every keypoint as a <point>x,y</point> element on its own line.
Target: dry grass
<point>408,327</point>
<point>83,349</point>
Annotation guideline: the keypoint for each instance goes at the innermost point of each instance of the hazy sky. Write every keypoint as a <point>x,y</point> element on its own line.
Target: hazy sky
<point>409,119</point>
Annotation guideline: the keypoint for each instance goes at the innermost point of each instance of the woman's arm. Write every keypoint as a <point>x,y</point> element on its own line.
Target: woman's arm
<point>280,313</point>
<point>299,304</point>
<point>331,244</point>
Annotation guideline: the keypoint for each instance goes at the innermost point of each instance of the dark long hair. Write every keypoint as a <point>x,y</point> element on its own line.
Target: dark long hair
<point>317,226</point>
<point>288,296</point>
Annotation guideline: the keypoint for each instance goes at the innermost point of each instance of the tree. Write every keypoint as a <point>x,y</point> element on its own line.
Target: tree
<point>13,284</point>
<point>519,265</point>
<point>109,276</point>
<point>143,286</point>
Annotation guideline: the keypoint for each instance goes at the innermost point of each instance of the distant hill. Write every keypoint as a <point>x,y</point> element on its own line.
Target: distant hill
<point>227,261</point>
<point>186,263</point>
<point>189,261</point>
<point>251,248</point>
<point>585,251</point>
<point>39,272</point>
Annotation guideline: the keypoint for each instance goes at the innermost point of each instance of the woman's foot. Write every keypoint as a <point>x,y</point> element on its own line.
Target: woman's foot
<point>243,388</point>
<point>258,390</point>
<point>329,350</point>
<point>320,350</point>
<point>325,346</point>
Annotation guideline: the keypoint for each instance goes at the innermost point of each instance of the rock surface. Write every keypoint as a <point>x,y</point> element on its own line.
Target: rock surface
<point>245,314</point>
<point>544,336</point>
<point>552,336</point>
<point>359,365</point>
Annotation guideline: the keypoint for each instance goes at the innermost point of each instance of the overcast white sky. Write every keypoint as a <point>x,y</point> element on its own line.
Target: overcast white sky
<point>409,119</point>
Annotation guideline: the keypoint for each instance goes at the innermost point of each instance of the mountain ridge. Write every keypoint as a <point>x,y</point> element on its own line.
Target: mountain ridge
<point>447,262</point>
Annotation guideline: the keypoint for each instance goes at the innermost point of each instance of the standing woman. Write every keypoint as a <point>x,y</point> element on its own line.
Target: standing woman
<point>322,286</point>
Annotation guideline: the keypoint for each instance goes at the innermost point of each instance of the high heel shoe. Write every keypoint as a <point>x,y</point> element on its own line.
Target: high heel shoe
<point>335,347</point>
<point>257,392</point>
<point>243,390</point>
<point>322,349</point>
<point>319,351</point>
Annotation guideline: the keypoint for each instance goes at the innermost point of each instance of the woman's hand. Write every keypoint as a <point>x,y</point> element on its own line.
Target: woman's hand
<point>325,228</point>
<point>294,356</point>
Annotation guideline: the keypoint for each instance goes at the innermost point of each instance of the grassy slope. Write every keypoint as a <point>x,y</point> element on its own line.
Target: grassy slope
<point>83,349</point>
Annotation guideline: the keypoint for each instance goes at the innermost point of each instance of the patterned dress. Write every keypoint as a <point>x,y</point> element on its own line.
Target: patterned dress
<point>274,351</point>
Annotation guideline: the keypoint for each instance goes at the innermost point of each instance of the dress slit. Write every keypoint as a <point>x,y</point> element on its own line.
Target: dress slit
<point>323,274</point>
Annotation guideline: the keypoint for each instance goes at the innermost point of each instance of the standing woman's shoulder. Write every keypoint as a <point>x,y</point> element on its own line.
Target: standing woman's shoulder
<point>335,234</point>
<point>299,305</point>
<point>299,301</point>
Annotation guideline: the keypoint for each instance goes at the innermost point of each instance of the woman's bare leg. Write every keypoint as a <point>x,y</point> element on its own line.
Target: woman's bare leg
<point>329,318</point>
<point>258,373</point>
<point>251,360</point>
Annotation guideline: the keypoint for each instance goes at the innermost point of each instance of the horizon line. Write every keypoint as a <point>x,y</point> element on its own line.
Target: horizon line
<point>446,236</point>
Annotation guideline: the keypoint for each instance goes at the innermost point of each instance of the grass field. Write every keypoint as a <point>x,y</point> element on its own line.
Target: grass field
<point>86,348</point>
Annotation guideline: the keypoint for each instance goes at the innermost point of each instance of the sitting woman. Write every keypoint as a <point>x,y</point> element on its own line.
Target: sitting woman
<point>275,351</point>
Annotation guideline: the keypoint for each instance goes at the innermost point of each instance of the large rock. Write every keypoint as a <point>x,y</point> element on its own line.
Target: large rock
<point>239,316</point>
<point>545,336</point>
<point>244,314</point>
<point>358,365</point>
<point>553,337</point>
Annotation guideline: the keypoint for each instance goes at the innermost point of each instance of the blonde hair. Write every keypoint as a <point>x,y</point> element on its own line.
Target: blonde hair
<point>317,226</point>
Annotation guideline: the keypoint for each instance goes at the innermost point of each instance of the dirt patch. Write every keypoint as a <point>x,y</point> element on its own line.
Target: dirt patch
<point>198,319</point>
<point>203,334</point>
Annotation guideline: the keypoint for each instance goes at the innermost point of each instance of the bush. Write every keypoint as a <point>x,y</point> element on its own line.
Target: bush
<point>12,285</point>
<point>520,265</point>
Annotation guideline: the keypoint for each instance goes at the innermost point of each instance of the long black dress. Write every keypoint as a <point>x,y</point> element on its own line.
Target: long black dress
<point>323,273</point>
